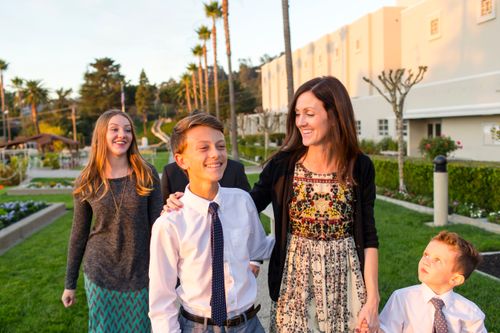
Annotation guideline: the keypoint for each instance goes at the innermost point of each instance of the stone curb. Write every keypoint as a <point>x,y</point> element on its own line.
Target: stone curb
<point>24,228</point>
<point>453,218</point>
<point>38,191</point>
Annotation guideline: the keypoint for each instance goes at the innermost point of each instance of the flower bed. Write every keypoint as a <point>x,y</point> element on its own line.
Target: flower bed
<point>11,212</point>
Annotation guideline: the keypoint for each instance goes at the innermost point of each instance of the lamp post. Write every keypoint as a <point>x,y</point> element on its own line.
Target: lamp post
<point>6,112</point>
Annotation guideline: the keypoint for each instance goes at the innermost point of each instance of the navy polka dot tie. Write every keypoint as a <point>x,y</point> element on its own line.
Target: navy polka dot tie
<point>440,325</point>
<point>218,301</point>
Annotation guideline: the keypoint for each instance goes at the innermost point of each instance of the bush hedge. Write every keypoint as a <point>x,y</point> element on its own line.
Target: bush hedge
<point>469,182</point>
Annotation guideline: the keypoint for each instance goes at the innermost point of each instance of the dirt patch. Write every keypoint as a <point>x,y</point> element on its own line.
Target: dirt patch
<point>490,264</point>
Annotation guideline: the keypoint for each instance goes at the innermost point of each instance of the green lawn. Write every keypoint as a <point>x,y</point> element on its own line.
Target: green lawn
<point>32,273</point>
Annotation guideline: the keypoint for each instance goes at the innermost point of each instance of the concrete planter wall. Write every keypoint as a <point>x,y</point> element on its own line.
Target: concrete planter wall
<point>24,228</point>
<point>38,191</point>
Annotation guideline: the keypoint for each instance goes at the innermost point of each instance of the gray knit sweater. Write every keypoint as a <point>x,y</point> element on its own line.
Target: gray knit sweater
<point>114,249</point>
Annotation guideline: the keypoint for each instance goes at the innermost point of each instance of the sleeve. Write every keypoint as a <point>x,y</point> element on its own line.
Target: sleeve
<point>80,230</point>
<point>390,318</point>
<point>260,246</point>
<point>241,178</point>
<point>369,193</point>
<point>261,192</point>
<point>165,186</point>
<point>476,325</point>
<point>164,249</point>
<point>155,203</point>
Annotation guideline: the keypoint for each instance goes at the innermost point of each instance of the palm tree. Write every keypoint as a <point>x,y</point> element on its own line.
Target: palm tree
<point>234,132</point>
<point>214,11</point>
<point>35,94</point>
<point>198,52</point>
<point>204,35</point>
<point>18,84</point>
<point>185,79</point>
<point>3,67</point>
<point>192,69</point>
<point>288,51</point>
<point>62,101</point>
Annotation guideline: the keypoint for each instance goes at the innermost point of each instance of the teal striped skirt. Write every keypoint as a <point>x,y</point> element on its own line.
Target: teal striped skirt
<point>113,311</point>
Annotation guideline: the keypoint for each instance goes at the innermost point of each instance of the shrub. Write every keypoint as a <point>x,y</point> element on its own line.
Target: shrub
<point>11,173</point>
<point>439,145</point>
<point>51,160</point>
<point>11,212</point>
<point>369,147</point>
<point>387,143</point>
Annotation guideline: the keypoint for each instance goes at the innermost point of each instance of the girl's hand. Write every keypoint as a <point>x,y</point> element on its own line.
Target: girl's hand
<point>68,297</point>
<point>173,203</point>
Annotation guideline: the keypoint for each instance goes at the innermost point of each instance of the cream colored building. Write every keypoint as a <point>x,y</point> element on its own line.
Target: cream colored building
<point>460,94</point>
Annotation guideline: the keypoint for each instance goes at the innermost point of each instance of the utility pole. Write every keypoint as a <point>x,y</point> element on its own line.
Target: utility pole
<point>8,125</point>
<point>73,121</point>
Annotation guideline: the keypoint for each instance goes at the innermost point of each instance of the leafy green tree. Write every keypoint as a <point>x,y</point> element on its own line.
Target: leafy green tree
<point>234,128</point>
<point>144,99</point>
<point>3,67</point>
<point>204,35</point>
<point>99,92</point>
<point>250,78</point>
<point>60,105</point>
<point>198,52</point>
<point>35,94</point>
<point>214,11</point>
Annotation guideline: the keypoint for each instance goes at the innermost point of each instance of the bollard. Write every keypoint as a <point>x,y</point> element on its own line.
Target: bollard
<point>440,191</point>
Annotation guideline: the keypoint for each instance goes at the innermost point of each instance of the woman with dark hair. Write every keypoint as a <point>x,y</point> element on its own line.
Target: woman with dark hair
<point>323,273</point>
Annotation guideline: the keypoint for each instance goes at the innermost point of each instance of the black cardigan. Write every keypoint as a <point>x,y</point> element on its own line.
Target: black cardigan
<point>275,186</point>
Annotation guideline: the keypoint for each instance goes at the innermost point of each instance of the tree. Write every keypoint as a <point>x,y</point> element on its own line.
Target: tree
<point>288,51</point>
<point>99,92</point>
<point>397,88</point>
<point>198,52</point>
<point>3,67</point>
<point>144,99</point>
<point>234,130</point>
<point>185,80</point>
<point>268,124</point>
<point>60,103</point>
<point>192,69</point>
<point>204,35</point>
<point>34,95</point>
<point>214,11</point>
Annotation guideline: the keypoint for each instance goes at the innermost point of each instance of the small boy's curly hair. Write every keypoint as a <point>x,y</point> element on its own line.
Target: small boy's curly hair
<point>468,257</point>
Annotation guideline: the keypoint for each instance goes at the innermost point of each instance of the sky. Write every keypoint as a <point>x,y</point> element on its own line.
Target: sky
<point>56,40</point>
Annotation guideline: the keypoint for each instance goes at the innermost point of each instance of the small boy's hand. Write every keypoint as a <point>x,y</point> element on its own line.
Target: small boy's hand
<point>173,203</point>
<point>255,269</point>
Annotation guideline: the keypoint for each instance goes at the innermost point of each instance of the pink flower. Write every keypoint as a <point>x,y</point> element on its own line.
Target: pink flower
<point>427,146</point>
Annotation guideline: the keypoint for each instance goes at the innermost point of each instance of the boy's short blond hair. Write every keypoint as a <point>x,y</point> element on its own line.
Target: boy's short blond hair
<point>468,257</point>
<point>178,138</point>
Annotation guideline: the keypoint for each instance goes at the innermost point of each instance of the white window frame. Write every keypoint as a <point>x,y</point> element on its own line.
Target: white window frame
<point>485,17</point>
<point>430,19</point>
<point>383,127</point>
<point>488,139</point>
<point>358,127</point>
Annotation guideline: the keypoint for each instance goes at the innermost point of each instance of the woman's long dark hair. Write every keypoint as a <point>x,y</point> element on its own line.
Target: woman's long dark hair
<point>343,134</point>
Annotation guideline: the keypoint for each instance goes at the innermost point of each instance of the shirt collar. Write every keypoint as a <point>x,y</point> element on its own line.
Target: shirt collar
<point>200,204</point>
<point>427,294</point>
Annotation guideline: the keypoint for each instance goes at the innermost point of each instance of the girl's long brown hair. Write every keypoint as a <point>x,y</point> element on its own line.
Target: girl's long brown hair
<point>92,177</point>
<point>343,134</point>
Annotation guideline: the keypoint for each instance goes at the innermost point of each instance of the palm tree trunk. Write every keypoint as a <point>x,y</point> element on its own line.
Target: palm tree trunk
<point>2,96</point>
<point>288,51</point>
<point>207,99</point>
<point>34,118</point>
<point>234,131</point>
<point>195,93</point>
<point>200,81</point>
<point>216,83</point>
<point>188,97</point>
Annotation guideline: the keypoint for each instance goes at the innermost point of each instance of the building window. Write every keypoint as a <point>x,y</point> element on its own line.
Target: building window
<point>405,127</point>
<point>357,45</point>
<point>358,127</point>
<point>433,130</point>
<point>485,10</point>
<point>434,24</point>
<point>383,127</point>
<point>491,134</point>
<point>337,53</point>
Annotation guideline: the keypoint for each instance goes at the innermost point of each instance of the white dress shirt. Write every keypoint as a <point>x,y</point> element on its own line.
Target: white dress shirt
<point>180,247</point>
<point>409,310</point>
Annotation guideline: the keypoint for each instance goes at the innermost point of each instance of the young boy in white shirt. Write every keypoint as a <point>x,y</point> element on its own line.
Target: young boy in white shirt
<point>433,306</point>
<point>207,244</point>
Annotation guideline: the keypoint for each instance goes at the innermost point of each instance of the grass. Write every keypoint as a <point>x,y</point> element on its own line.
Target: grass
<point>32,273</point>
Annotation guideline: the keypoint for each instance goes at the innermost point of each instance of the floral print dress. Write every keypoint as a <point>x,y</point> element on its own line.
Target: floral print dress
<point>322,288</point>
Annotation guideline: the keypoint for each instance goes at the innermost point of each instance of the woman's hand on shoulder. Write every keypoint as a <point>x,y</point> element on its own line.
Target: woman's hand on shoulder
<point>173,203</point>
<point>68,297</point>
